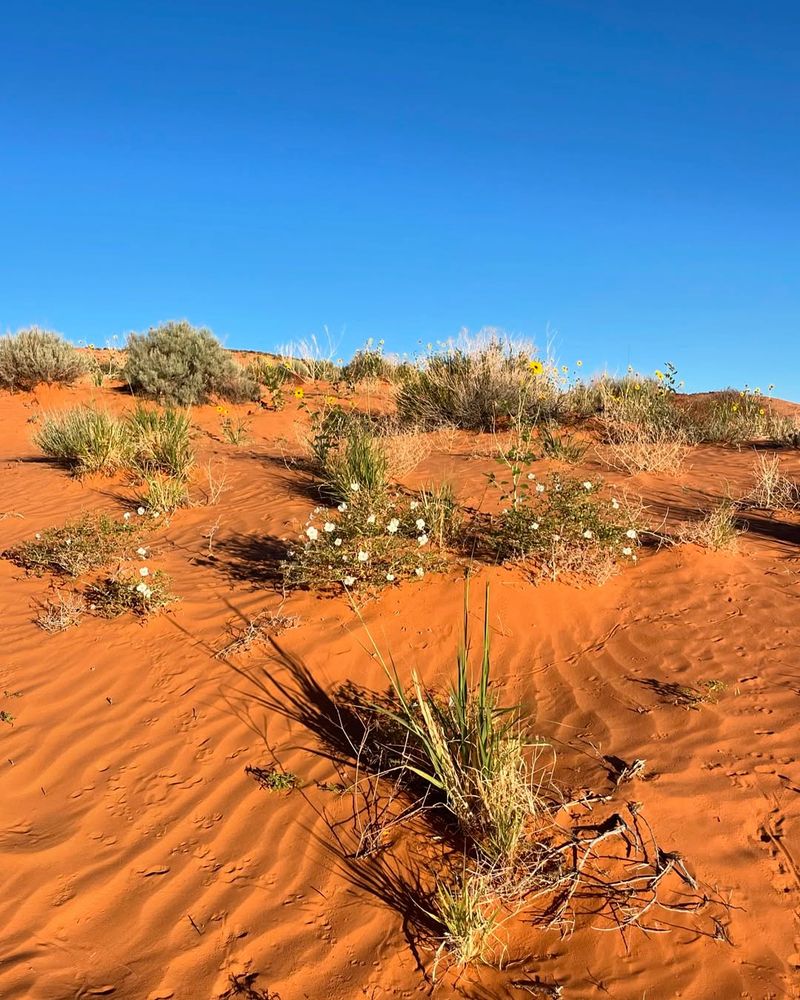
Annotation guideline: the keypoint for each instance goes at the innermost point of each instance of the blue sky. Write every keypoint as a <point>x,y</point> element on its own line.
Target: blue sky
<point>624,174</point>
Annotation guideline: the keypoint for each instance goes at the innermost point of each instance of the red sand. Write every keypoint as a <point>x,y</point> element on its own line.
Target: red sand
<point>138,860</point>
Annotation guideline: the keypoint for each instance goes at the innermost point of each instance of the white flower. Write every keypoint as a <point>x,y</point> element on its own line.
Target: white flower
<point>422,540</point>
<point>531,475</point>
<point>419,571</point>
<point>420,524</point>
<point>535,525</point>
<point>144,571</point>
<point>556,538</point>
<point>127,515</point>
<point>38,534</point>
<point>413,505</point>
<point>540,487</point>
<point>371,519</point>
<point>588,534</point>
<point>392,526</point>
<point>615,503</point>
<point>141,552</point>
<point>329,526</point>
<point>312,532</point>
<point>349,581</point>
<point>140,511</point>
<point>337,541</point>
<point>342,508</point>
<point>627,551</point>
<point>354,487</point>
<point>144,590</point>
<point>631,533</point>
<point>68,541</point>
<point>587,485</point>
<point>362,555</point>
<point>390,577</point>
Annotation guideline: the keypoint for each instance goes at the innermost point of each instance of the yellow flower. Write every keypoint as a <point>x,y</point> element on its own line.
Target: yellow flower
<point>762,411</point>
<point>536,366</point>
<point>579,364</point>
<point>298,394</point>
<point>564,369</point>
<point>222,411</point>
<point>735,407</point>
<point>659,375</point>
<point>636,386</point>
<point>330,400</point>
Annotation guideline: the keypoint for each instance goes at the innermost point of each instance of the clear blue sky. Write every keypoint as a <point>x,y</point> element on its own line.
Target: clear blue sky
<point>624,172</point>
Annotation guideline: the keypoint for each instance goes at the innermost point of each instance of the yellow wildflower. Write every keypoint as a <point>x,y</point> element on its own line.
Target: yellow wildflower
<point>222,411</point>
<point>536,366</point>
<point>298,394</point>
<point>659,375</point>
<point>579,364</point>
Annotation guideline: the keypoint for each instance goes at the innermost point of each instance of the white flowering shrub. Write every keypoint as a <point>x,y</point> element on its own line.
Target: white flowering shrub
<point>366,543</point>
<point>140,592</point>
<point>564,525</point>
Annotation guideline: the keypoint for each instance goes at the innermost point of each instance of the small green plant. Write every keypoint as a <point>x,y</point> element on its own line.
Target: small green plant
<point>32,357</point>
<point>142,594</point>
<point>179,364</point>
<point>441,513</point>
<point>234,429</point>
<point>105,366</point>
<point>86,440</point>
<point>273,375</point>
<point>273,779</point>
<point>471,916</point>
<point>359,463</point>
<point>561,446</point>
<point>78,546</point>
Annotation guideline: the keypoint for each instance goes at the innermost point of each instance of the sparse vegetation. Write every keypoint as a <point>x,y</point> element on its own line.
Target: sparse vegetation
<point>772,490</point>
<point>163,494</point>
<point>160,442</point>
<point>61,612</point>
<point>717,530</point>
<point>34,357</point>
<point>80,545</point>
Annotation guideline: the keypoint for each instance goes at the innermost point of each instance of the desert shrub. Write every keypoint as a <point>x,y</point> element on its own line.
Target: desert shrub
<point>717,531</point>
<point>635,448</point>
<point>160,441</point>
<point>105,365</point>
<point>310,361</point>
<point>470,914</point>
<point>367,364</point>
<point>772,490</point>
<point>563,526</point>
<point>78,546</point>
<point>366,543</point>
<point>86,440</point>
<point>358,462</point>
<point>477,388</point>
<point>736,416</point>
<point>33,356</point>
<point>179,364</point>
<point>233,428</point>
<point>143,594</point>
<point>273,375</point>
<point>439,508</point>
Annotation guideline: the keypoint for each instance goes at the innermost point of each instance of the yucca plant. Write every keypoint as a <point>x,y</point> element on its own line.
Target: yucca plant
<point>468,749</point>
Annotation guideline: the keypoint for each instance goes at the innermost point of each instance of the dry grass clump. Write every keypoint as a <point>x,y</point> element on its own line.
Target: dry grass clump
<point>57,614</point>
<point>736,416</point>
<point>78,546</point>
<point>179,364</point>
<point>477,386</point>
<point>717,531</point>
<point>32,357</point>
<point>163,494</point>
<point>633,448</point>
<point>308,360</point>
<point>367,365</point>
<point>160,441</point>
<point>248,632</point>
<point>772,490</point>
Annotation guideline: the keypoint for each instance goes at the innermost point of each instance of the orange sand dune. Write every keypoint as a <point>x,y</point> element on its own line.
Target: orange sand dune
<point>140,861</point>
